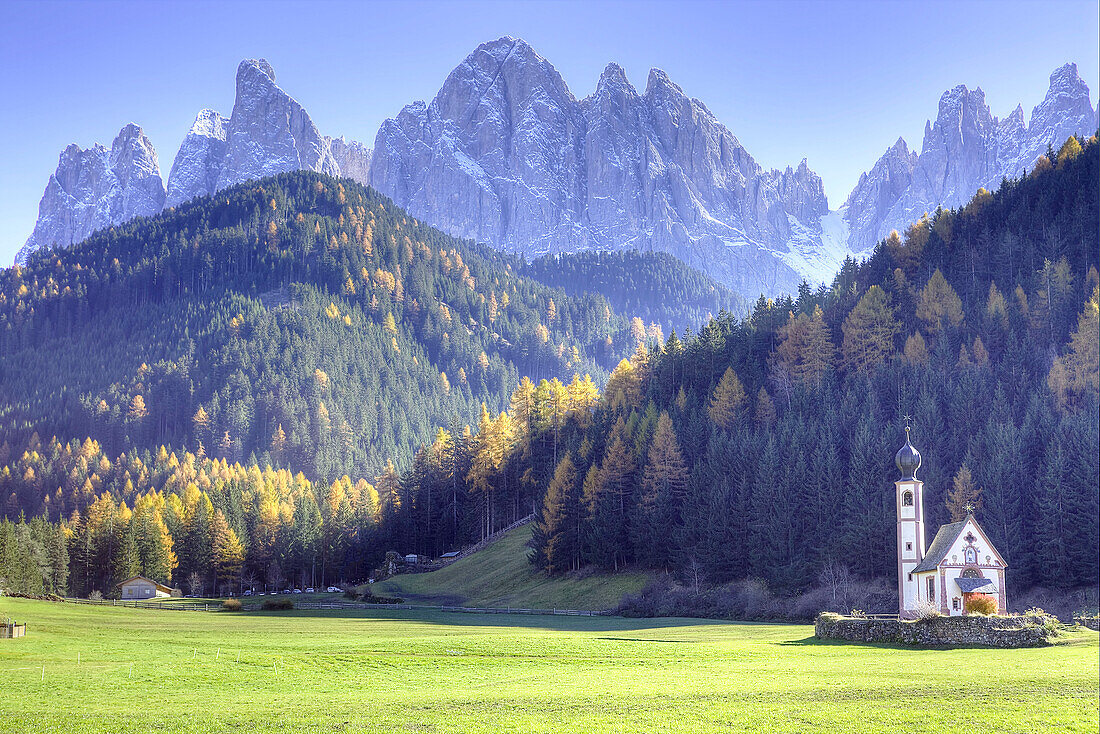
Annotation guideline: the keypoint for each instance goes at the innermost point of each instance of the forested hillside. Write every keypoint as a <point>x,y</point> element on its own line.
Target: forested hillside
<point>654,287</point>
<point>757,448</point>
<point>299,320</point>
<point>764,447</point>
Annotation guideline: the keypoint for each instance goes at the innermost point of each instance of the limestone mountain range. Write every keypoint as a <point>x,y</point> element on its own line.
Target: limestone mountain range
<point>507,155</point>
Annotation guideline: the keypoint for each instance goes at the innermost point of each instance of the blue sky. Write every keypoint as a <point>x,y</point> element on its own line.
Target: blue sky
<point>835,82</point>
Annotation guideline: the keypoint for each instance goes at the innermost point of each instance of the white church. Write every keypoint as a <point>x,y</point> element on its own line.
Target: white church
<point>961,560</point>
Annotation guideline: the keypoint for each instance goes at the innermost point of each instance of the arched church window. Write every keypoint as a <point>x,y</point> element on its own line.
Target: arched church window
<point>907,499</point>
<point>970,573</point>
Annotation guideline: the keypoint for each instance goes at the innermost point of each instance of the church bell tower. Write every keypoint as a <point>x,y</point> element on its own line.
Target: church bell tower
<point>909,493</point>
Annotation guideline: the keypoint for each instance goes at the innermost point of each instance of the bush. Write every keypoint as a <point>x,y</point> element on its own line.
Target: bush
<point>980,604</point>
<point>363,593</point>
<point>36,597</point>
<point>232,605</point>
<point>372,599</point>
<point>278,604</point>
<point>95,596</point>
<point>927,610</point>
<point>1061,603</point>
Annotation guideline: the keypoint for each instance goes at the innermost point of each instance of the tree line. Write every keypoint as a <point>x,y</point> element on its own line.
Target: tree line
<point>760,447</point>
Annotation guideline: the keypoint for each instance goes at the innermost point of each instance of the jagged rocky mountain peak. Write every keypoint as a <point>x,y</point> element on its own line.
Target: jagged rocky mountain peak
<point>267,133</point>
<point>1065,80</point>
<point>352,157</point>
<point>963,114</point>
<point>613,75</point>
<point>1015,119</point>
<point>506,154</point>
<point>251,66</point>
<point>1066,109</point>
<point>662,91</point>
<point>965,149</point>
<point>198,163</point>
<point>95,188</point>
<point>209,123</point>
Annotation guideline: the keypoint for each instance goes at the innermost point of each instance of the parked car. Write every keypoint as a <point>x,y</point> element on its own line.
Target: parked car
<point>297,591</point>
<point>334,590</point>
<point>248,592</point>
<point>309,590</point>
<point>285,591</point>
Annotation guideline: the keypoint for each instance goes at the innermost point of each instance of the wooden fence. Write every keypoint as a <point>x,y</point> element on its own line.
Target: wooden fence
<point>180,606</point>
<point>337,605</point>
<point>446,608</point>
<point>7,631</point>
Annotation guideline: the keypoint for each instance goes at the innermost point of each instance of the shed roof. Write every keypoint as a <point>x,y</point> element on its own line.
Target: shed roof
<point>161,587</point>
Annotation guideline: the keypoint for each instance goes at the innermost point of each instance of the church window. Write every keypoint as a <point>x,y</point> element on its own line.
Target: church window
<point>908,546</point>
<point>910,577</point>
<point>970,573</point>
<point>931,588</point>
<point>907,499</point>
<point>955,603</point>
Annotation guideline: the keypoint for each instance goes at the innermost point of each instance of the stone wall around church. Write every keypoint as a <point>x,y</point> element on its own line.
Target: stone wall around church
<point>971,630</point>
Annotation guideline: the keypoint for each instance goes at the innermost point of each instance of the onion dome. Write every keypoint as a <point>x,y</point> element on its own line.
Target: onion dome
<point>907,459</point>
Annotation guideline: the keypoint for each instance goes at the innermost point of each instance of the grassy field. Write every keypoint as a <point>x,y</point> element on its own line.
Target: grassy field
<point>394,671</point>
<point>500,576</point>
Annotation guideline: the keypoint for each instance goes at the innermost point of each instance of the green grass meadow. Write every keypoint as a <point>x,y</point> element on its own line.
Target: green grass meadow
<point>413,671</point>
<point>500,576</point>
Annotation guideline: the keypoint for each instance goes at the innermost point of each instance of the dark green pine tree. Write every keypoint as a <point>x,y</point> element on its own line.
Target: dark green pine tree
<point>557,538</point>
<point>1051,536</point>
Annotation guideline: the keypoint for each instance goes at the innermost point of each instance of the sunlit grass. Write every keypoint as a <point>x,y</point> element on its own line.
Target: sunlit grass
<point>501,576</point>
<point>390,671</point>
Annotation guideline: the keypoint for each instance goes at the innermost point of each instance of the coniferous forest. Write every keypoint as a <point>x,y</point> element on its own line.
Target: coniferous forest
<point>653,287</point>
<point>275,383</point>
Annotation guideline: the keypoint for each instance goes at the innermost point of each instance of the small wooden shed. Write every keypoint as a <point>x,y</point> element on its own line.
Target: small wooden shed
<point>139,587</point>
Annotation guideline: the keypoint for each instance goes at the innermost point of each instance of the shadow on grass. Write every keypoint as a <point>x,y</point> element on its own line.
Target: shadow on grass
<point>564,623</point>
<point>812,641</point>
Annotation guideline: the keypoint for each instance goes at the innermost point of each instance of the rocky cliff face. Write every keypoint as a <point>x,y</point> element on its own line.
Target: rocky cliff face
<point>506,154</point>
<point>352,158</point>
<point>199,161</point>
<point>268,133</point>
<point>965,149</point>
<point>96,188</point>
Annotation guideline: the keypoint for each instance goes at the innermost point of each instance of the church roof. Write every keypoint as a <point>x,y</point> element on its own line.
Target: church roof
<point>942,543</point>
<point>946,538</point>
